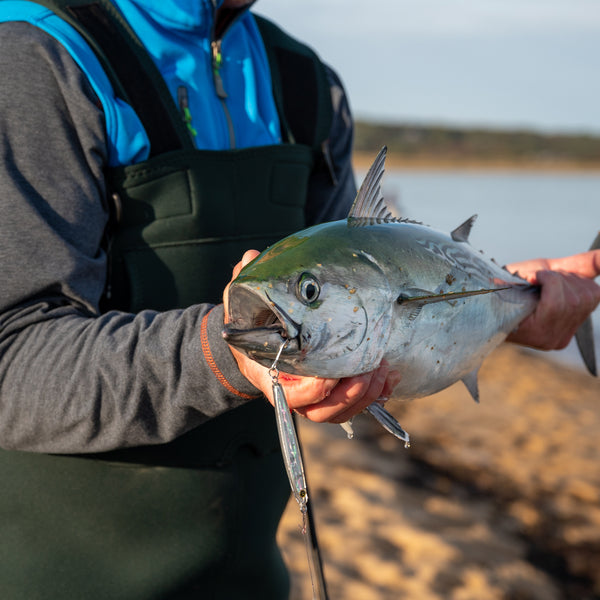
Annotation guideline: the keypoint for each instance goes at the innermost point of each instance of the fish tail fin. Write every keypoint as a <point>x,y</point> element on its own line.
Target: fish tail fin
<point>585,342</point>
<point>585,334</point>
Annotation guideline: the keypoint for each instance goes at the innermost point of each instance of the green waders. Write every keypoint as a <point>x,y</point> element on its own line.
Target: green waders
<point>195,518</point>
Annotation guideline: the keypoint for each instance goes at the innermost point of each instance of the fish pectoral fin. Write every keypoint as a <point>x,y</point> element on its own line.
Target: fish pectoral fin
<point>415,296</point>
<point>425,297</point>
<point>471,383</point>
<point>585,342</point>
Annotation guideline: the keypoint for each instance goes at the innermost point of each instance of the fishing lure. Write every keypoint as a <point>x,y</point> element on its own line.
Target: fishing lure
<point>292,458</point>
<point>288,439</point>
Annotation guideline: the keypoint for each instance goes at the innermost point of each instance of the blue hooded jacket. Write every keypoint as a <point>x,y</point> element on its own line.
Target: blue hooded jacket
<point>220,81</point>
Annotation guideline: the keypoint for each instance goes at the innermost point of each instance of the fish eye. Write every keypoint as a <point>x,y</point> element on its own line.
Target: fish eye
<point>308,288</point>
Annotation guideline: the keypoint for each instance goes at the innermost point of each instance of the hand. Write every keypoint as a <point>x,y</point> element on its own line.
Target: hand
<point>568,296</point>
<point>318,399</point>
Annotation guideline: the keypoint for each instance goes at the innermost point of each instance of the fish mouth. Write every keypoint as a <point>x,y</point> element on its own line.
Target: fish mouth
<point>258,326</point>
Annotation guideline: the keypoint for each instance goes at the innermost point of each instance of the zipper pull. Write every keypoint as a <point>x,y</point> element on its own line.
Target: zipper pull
<point>184,106</point>
<point>217,62</point>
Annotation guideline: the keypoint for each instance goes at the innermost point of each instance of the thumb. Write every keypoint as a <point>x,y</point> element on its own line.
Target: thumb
<point>249,256</point>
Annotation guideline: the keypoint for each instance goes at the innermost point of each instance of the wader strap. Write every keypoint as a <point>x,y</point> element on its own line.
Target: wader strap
<point>300,87</point>
<point>140,85</point>
<point>130,69</point>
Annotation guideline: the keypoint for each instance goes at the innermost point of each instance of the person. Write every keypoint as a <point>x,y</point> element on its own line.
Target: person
<point>145,145</point>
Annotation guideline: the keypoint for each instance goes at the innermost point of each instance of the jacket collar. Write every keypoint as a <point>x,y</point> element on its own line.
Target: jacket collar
<point>185,15</point>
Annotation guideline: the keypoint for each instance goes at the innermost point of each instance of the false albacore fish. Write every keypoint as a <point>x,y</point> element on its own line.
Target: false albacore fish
<point>346,294</point>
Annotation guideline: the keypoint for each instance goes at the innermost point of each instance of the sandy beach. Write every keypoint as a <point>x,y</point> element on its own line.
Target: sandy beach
<point>493,501</point>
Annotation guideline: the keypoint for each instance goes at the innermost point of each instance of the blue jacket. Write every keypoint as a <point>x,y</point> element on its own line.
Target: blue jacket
<point>212,71</point>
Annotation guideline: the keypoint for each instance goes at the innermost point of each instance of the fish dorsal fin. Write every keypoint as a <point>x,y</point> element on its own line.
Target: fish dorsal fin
<point>461,233</point>
<point>369,206</point>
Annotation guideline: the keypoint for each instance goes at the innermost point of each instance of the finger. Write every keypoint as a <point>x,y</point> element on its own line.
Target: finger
<point>351,396</point>
<point>554,315</point>
<point>528,269</point>
<point>305,392</point>
<point>248,256</point>
<point>585,264</point>
<point>299,391</point>
<point>373,393</point>
<point>562,316</point>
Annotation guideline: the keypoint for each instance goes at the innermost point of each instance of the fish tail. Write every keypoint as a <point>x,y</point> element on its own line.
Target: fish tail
<point>585,334</point>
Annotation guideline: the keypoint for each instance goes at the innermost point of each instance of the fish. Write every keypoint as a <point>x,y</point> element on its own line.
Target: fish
<point>345,295</point>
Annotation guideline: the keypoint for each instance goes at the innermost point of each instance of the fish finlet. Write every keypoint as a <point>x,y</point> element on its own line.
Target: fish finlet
<point>470,381</point>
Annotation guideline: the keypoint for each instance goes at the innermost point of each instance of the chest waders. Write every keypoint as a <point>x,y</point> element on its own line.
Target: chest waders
<point>195,518</point>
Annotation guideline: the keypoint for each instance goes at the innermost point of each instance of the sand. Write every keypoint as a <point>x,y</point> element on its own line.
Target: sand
<point>493,501</point>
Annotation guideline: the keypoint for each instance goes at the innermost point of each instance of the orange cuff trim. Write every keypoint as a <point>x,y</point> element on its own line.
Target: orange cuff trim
<point>213,365</point>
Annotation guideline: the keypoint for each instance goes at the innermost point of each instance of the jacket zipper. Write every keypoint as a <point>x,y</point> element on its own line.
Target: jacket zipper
<point>217,63</point>
<point>184,107</point>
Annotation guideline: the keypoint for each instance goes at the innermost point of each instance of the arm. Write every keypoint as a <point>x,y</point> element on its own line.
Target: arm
<point>568,296</point>
<point>72,380</point>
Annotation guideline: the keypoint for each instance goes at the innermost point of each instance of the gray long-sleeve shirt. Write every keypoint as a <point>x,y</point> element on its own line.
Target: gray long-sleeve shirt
<point>73,380</point>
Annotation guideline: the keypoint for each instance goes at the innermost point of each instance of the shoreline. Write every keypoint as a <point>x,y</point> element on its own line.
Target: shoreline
<point>362,161</point>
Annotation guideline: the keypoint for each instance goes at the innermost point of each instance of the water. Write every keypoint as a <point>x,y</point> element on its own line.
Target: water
<point>521,215</point>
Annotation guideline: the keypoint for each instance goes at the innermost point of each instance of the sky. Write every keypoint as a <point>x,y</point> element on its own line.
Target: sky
<point>505,64</point>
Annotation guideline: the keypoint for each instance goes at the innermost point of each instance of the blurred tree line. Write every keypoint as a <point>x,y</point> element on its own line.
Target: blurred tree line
<point>448,143</point>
